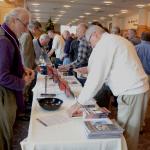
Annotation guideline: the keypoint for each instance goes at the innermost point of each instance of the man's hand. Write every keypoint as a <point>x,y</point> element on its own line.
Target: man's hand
<point>28,75</point>
<point>63,68</point>
<point>75,110</point>
<point>82,70</point>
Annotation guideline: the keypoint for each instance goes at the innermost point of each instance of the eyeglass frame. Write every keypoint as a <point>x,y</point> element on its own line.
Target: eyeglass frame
<point>25,25</point>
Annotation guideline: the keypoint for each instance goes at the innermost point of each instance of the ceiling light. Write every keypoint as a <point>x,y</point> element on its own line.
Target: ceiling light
<point>37,10</point>
<point>110,15</point>
<point>72,1</point>
<point>87,13</point>
<point>67,6</point>
<point>89,22</point>
<point>35,4</point>
<point>76,19</point>
<point>107,2</point>
<point>62,11</point>
<point>123,11</point>
<point>81,16</point>
<point>96,8</point>
<point>1,0</point>
<point>59,15</point>
<point>140,5</point>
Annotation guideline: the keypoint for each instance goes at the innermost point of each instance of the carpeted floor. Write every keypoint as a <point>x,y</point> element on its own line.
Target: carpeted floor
<point>21,131</point>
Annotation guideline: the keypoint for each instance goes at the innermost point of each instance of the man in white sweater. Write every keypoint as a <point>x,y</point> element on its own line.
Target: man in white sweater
<point>114,61</point>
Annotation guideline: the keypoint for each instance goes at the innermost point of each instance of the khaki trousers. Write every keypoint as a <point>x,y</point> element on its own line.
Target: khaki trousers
<point>7,117</point>
<point>131,113</point>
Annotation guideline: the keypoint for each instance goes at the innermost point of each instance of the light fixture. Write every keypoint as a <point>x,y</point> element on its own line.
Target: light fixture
<point>1,0</point>
<point>35,4</point>
<point>81,16</point>
<point>96,8</point>
<point>110,15</point>
<point>36,10</point>
<point>140,5</point>
<point>76,19</point>
<point>107,2</point>
<point>123,11</point>
<point>62,11</point>
<point>87,13</point>
<point>67,6</point>
<point>59,15</point>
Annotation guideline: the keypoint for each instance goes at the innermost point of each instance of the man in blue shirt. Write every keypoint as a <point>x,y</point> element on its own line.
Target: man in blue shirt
<point>143,51</point>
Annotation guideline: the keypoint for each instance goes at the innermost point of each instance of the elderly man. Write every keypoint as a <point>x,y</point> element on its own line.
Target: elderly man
<point>28,59</point>
<point>84,50</point>
<point>13,76</point>
<point>40,51</point>
<point>68,40</point>
<point>114,61</point>
<point>132,37</point>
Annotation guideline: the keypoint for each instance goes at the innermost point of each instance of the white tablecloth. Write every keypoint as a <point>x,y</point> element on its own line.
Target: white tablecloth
<point>69,135</point>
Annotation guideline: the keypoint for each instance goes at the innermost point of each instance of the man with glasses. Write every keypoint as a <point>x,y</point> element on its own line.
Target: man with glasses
<point>28,59</point>
<point>13,75</point>
<point>114,61</point>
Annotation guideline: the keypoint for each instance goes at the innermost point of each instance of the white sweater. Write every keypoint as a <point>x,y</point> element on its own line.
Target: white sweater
<point>115,62</point>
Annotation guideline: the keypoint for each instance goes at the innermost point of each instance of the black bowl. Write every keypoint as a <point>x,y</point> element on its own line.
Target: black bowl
<point>50,103</point>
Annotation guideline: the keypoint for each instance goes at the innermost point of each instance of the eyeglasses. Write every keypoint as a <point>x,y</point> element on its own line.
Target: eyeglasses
<point>25,25</point>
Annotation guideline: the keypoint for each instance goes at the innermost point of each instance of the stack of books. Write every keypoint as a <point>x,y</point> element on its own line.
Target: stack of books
<point>98,125</point>
<point>95,113</point>
<point>103,128</point>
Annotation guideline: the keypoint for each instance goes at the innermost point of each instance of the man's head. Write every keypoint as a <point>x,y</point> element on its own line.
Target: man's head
<point>93,34</point>
<point>145,36</point>
<point>131,33</point>
<point>115,30</point>
<point>81,29</point>
<point>44,39</point>
<point>17,20</point>
<point>51,34</point>
<point>35,28</point>
<point>66,34</point>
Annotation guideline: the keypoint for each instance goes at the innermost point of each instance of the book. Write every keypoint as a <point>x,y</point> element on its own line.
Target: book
<point>103,128</point>
<point>95,113</point>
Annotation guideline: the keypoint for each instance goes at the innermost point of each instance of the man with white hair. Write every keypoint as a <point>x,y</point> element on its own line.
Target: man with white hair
<point>114,61</point>
<point>13,76</point>
<point>39,45</point>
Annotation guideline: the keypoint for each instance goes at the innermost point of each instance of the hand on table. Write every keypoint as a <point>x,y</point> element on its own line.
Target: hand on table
<point>63,68</point>
<point>75,110</point>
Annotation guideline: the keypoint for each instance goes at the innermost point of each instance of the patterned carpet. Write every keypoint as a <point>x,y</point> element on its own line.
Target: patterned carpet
<point>21,131</point>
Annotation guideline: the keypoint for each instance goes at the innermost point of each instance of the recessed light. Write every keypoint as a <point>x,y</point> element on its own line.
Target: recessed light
<point>96,8</point>
<point>87,13</point>
<point>62,11</point>
<point>37,10</point>
<point>81,16</point>
<point>35,4</point>
<point>110,15</point>
<point>76,19</point>
<point>67,6</point>
<point>108,2</point>
<point>59,15</point>
<point>123,11</point>
<point>140,5</point>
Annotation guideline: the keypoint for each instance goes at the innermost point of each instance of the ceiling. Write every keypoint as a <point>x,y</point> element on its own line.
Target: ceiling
<point>42,10</point>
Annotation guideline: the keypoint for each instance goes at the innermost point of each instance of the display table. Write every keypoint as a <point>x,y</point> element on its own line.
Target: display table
<point>68,135</point>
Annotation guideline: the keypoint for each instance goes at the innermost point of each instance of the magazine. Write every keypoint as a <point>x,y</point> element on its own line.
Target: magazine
<point>95,113</point>
<point>103,128</point>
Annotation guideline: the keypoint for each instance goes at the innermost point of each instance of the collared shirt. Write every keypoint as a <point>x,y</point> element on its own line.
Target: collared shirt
<point>84,51</point>
<point>143,51</point>
<point>67,46</point>
<point>114,61</point>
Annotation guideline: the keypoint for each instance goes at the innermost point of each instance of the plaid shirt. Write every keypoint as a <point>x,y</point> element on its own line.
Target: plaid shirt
<point>84,51</point>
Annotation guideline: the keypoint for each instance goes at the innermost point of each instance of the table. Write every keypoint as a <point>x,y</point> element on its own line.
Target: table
<point>68,135</point>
